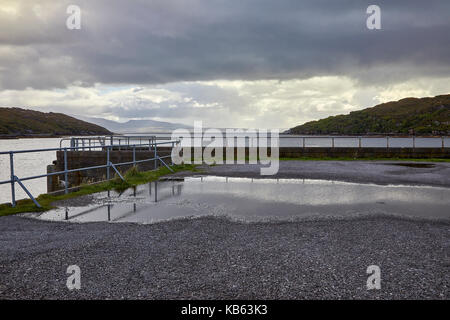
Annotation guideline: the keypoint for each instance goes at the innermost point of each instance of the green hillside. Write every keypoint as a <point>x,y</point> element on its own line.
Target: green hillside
<point>21,122</point>
<point>425,116</point>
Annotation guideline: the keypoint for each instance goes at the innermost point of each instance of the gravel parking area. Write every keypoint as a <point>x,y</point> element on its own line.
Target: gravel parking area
<point>214,258</point>
<point>211,258</point>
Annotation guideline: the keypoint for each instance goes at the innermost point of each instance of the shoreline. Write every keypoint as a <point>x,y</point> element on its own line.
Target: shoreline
<point>47,136</point>
<point>378,135</point>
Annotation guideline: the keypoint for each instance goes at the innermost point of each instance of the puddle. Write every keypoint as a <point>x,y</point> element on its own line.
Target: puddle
<point>413,165</point>
<point>251,200</point>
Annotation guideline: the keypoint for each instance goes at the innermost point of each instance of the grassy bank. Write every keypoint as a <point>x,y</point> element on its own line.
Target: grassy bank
<point>133,178</point>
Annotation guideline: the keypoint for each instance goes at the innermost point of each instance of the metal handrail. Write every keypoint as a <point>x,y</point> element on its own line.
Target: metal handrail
<point>92,141</point>
<point>87,147</point>
<point>14,179</point>
<point>332,139</point>
<point>302,139</point>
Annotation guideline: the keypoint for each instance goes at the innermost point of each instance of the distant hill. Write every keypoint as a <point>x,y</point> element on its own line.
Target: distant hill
<point>425,116</point>
<point>22,122</point>
<point>134,126</point>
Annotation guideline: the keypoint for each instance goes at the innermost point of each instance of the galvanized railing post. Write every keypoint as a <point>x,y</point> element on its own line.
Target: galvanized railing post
<point>414,142</point>
<point>107,162</point>
<point>359,142</point>
<point>171,150</point>
<point>134,155</point>
<point>13,179</point>
<point>332,142</point>
<point>66,180</point>
<point>443,145</point>
<point>27,192</point>
<point>156,155</point>
<point>303,142</point>
<point>387,142</point>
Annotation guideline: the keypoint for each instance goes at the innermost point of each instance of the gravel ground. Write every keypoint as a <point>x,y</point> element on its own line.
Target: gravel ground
<point>217,259</point>
<point>210,258</point>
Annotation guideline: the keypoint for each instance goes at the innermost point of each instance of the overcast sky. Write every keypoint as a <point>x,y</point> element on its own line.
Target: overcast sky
<point>230,63</point>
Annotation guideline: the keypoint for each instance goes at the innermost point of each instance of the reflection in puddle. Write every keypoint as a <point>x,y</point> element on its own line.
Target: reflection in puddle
<point>256,200</point>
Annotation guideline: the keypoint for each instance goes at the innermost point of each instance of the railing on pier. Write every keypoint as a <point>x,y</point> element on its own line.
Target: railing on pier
<point>410,141</point>
<point>286,140</point>
<point>151,145</point>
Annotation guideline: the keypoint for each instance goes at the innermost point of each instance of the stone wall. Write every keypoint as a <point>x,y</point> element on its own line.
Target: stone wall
<point>404,153</point>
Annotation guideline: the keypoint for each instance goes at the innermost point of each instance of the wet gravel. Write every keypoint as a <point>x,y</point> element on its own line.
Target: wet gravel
<point>214,258</point>
<point>210,258</point>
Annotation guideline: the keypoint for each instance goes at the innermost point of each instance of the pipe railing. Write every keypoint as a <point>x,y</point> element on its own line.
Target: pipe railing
<point>356,141</point>
<point>14,179</point>
<point>102,141</point>
<point>359,139</point>
<point>121,142</point>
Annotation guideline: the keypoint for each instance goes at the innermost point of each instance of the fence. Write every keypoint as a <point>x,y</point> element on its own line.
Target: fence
<point>285,140</point>
<point>92,143</point>
<point>405,141</point>
<point>14,179</point>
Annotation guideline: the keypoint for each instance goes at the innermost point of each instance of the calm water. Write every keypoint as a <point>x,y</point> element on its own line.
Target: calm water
<point>246,199</point>
<point>36,163</point>
<point>26,164</point>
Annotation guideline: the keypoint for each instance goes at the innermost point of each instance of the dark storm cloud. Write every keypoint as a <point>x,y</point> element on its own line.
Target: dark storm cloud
<point>152,42</point>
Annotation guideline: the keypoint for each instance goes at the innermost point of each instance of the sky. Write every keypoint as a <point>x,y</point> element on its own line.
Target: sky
<point>229,63</point>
